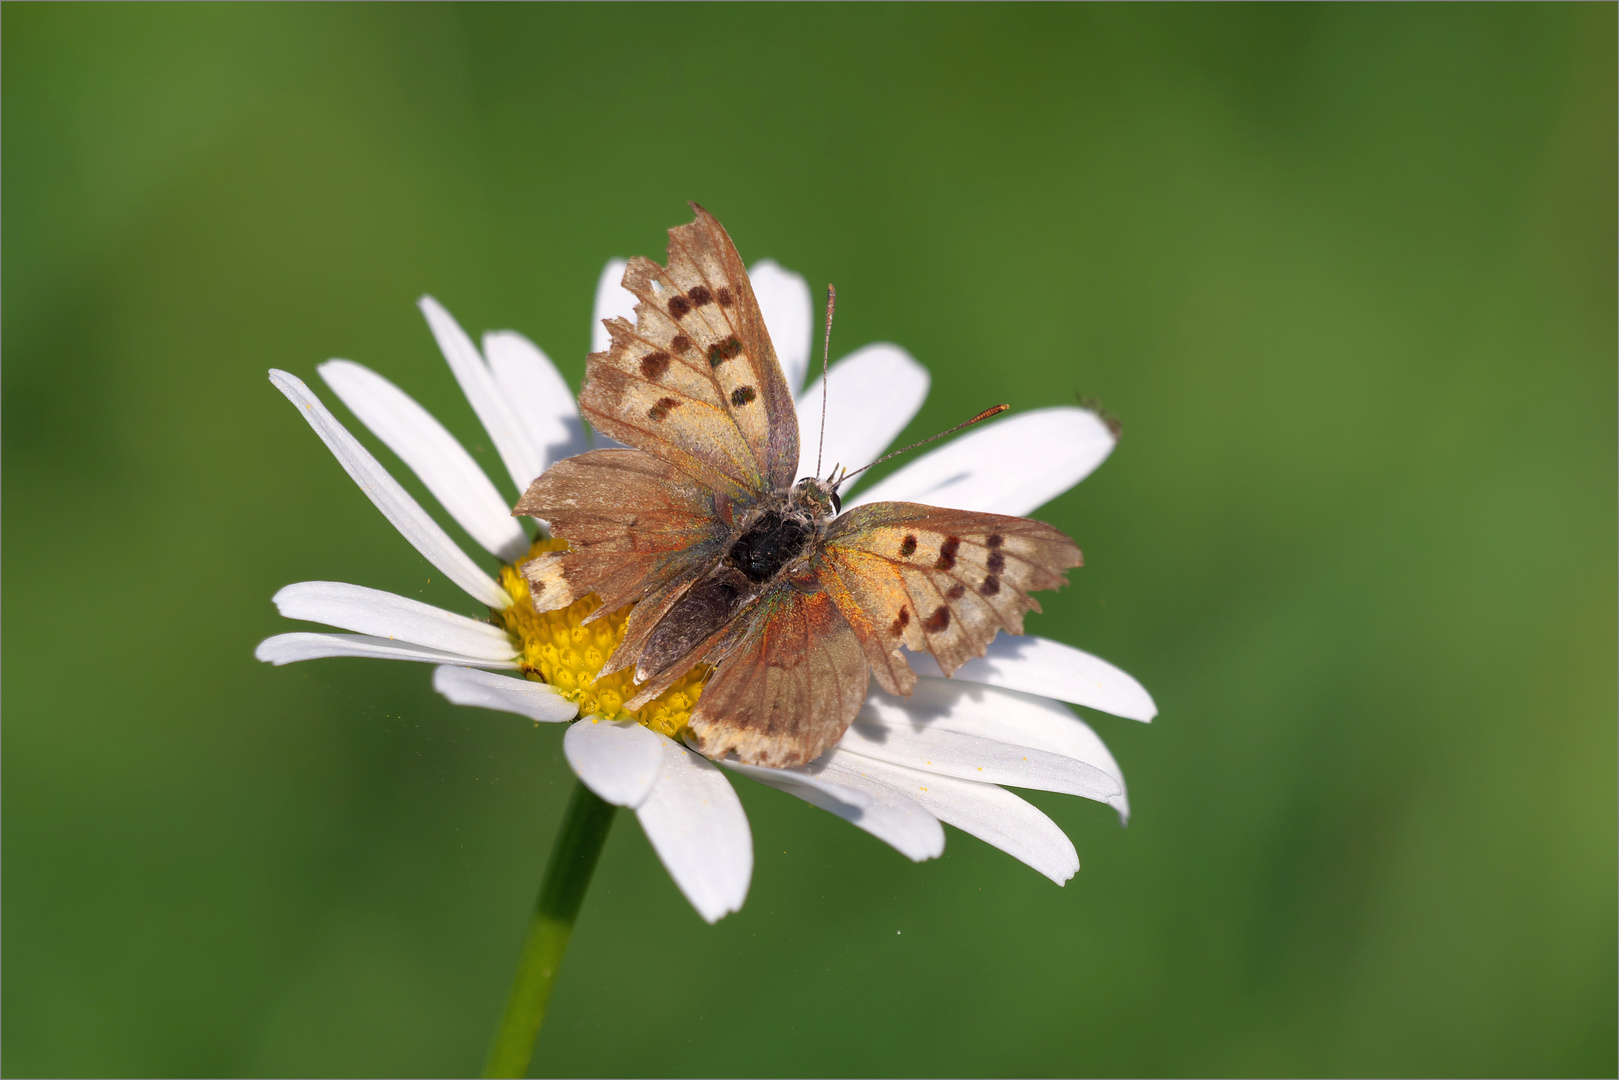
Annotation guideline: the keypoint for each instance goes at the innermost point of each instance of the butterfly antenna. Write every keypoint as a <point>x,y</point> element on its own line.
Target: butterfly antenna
<point>985,415</point>
<point>826,351</point>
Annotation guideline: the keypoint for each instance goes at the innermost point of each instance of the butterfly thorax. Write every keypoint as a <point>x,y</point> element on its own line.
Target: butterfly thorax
<point>775,540</point>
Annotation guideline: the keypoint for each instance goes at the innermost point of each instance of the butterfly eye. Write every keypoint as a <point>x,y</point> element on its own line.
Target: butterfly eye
<point>837,503</point>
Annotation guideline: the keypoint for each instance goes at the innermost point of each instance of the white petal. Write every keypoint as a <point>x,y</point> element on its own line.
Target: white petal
<point>994,815</point>
<point>432,453</point>
<point>1020,719</point>
<point>873,393</point>
<point>1038,665</point>
<point>908,732</point>
<point>618,760</point>
<point>696,824</point>
<point>289,648</point>
<point>537,393</point>
<point>485,690</point>
<point>402,511</point>
<point>1008,466</point>
<point>385,615</point>
<point>613,300</point>
<point>835,782</point>
<point>805,785</point>
<point>521,457</point>
<point>784,301</point>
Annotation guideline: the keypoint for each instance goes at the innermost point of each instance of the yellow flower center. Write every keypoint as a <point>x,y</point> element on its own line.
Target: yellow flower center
<point>560,649</point>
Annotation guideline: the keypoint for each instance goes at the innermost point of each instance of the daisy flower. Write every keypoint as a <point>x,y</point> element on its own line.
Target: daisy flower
<point>945,754</point>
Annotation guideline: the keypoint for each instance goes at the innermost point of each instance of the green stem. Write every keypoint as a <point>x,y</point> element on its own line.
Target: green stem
<point>567,875</point>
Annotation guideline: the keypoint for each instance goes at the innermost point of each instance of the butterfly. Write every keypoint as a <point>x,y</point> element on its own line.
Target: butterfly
<point>698,522</point>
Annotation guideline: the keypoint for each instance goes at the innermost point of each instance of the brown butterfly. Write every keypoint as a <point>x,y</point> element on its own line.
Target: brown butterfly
<point>727,560</point>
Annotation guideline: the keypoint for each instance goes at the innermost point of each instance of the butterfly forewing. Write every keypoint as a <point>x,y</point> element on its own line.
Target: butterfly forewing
<point>938,581</point>
<point>695,379</point>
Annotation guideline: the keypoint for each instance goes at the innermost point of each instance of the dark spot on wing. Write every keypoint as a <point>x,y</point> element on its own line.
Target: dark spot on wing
<point>721,351</point>
<point>661,410</point>
<point>742,395</point>
<point>907,547</point>
<point>699,295</point>
<point>724,297</point>
<point>681,343</point>
<point>678,307</point>
<point>901,622</point>
<point>938,621</point>
<point>653,365</point>
<point>996,562</point>
<point>957,591</point>
<point>991,585</point>
<point>995,540</point>
<point>535,588</point>
<point>947,553</point>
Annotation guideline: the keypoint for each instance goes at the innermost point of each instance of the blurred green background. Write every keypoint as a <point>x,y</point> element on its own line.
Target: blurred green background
<point>1347,273</point>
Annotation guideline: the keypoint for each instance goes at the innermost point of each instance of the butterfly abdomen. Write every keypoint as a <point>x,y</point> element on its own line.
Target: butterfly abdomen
<point>773,540</point>
<point>707,607</point>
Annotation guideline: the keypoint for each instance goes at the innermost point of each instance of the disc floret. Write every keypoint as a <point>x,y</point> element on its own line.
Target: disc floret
<point>560,648</point>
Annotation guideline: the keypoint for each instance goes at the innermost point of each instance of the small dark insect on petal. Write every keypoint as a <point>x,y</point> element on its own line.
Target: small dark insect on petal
<point>653,365</point>
<point>901,621</point>
<point>991,585</point>
<point>907,547</point>
<point>938,621</point>
<point>996,562</point>
<point>661,410</point>
<point>724,297</point>
<point>699,295</point>
<point>678,307</point>
<point>957,591</point>
<point>947,553</point>
<point>742,395</point>
<point>681,343</point>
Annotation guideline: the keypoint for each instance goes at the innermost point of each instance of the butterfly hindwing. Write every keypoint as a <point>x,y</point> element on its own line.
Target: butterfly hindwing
<point>633,523</point>
<point>695,379</point>
<point>866,589</point>
<point>788,685</point>
<point>937,580</point>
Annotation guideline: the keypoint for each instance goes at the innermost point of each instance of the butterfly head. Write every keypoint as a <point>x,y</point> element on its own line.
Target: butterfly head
<point>818,496</point>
